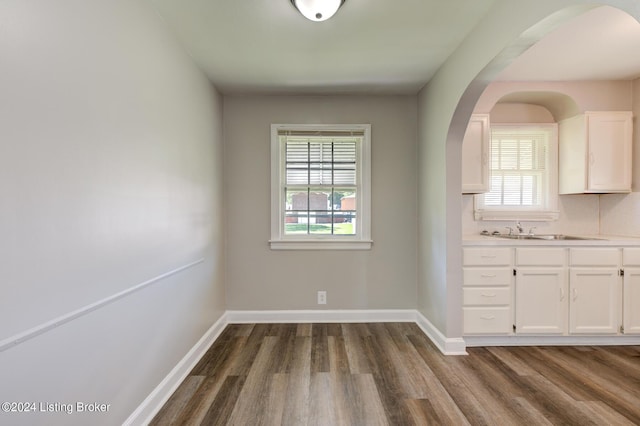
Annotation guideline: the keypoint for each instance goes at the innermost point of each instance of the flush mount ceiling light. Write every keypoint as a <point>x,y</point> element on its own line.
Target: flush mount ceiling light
<point>317,10</point>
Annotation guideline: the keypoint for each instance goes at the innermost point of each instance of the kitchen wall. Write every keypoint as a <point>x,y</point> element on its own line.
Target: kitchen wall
<point>620,213</point>
<point>259,278</point>
<point>582,213</point>
<point>110,179</point>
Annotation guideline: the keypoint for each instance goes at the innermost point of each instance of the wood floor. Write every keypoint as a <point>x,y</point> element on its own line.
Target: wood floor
<point>391,374</point>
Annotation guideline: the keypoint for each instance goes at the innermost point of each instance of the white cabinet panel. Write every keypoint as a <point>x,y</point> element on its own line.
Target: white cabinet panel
<point>487,320</point>
<point>541,256</point>
<point>595,152</point>
<point>541,301</point>
<point>487,276</point>
<point>594,257</point>
<point>595,301</point>
<point>486,296</point>
<point>631,256</point>
<point>610,139</point>
<point>475,155</point>
<point>488,256</point>
<point>631,307</point>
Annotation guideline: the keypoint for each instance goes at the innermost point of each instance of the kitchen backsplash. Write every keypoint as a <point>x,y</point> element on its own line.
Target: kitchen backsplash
<point>620,214</point>
<point>579,214</point>
<point>583,214</point>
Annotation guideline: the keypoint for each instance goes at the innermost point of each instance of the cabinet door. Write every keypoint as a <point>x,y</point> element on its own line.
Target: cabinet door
<point>475,154</point>
<point>541,301</point>
<point>631,297</point>
<point>609,152</point>
<point>595,301</point>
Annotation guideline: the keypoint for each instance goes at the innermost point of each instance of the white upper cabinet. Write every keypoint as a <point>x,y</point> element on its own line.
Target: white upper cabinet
<point>595,152</point>
<point>475,155</point>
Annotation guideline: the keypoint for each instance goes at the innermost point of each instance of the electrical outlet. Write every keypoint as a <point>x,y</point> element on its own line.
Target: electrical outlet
<point>322,297</point>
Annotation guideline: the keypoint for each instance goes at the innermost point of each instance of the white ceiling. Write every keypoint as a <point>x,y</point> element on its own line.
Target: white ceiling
<point>379,46</point>
<point>601,44</point>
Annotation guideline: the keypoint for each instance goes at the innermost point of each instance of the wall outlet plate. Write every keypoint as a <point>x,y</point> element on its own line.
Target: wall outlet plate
<point>322,297</point>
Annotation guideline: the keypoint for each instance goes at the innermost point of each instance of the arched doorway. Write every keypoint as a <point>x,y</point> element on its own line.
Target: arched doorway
<point>445,106</point>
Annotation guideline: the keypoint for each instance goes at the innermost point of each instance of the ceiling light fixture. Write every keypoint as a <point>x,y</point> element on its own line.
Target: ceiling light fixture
<point>317,10</point>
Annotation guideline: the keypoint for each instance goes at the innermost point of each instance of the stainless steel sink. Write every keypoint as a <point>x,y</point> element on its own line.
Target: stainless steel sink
<point>515,236</point>
<point>550,237</point>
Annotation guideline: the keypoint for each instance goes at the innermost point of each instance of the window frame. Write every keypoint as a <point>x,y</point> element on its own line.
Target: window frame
<point>549,210</point>
<point>361,240</point>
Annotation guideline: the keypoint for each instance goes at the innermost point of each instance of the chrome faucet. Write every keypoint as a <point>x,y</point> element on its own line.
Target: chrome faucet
<point>520,228</point>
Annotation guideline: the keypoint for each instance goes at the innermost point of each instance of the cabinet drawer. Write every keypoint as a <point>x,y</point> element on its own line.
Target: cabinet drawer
<point>631,256</point>
<point>487,276</point>
<point>540,256</point>
<point>594,256</point>
<point>480,256</point>
<point>487,320</point>
<point>486,296</point>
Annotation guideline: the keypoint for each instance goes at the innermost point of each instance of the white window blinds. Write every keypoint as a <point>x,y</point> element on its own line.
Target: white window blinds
<point>524,174</point>
<point>320,160</point>
<point>519,168</point>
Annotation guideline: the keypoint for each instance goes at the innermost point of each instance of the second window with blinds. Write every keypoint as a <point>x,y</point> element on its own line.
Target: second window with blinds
<point>524,174</point>
<point>320,186</point>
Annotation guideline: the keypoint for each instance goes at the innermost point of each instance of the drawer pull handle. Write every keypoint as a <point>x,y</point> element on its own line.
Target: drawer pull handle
<point>488,275</point>
<point>488,295</point>
<point>487,317</point>
<point>488,256</point>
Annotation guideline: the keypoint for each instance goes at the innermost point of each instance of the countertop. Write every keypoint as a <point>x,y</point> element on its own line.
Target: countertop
<point>600,241</point>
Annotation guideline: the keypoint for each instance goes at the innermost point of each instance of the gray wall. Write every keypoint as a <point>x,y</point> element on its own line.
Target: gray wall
<point>262,279</point>
<point>110,175</point>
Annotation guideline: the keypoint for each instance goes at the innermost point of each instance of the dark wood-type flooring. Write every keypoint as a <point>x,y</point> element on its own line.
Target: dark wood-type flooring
<point>391,374</point>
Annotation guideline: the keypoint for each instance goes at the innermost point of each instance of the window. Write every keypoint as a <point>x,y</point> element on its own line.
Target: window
<point>523,167</point>
<point>320,186</point>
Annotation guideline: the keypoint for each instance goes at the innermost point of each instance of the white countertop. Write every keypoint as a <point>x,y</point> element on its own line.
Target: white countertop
<point>602,240</point>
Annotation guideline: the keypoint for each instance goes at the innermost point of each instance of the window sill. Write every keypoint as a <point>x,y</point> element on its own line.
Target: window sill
<point>516,215</point>
<point>320,245</point>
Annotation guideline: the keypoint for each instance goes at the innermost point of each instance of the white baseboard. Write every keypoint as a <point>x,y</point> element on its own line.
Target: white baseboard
<point>474,341</point>
<point>447,345</point>
<point>161,394</point>
<point>326,316</point>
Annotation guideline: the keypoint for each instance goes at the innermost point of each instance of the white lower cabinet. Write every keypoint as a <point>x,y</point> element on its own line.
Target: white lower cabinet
<point>548,291</point>
<point>595,299</point>
<point>631,291</point>
<point>541,291</point>
<point>541,301</point>
<point>487,292</point>
<point>631,307</point>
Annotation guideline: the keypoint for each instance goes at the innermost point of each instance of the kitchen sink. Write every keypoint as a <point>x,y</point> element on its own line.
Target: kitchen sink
<point>550,237</point>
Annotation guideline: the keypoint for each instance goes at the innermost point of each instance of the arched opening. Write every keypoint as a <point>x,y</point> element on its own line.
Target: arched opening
<point>445,106</point>
<point>551,101</point>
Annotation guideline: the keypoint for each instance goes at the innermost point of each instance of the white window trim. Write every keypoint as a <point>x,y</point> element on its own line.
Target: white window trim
<point>362,240</point>
<point>551,211</point>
